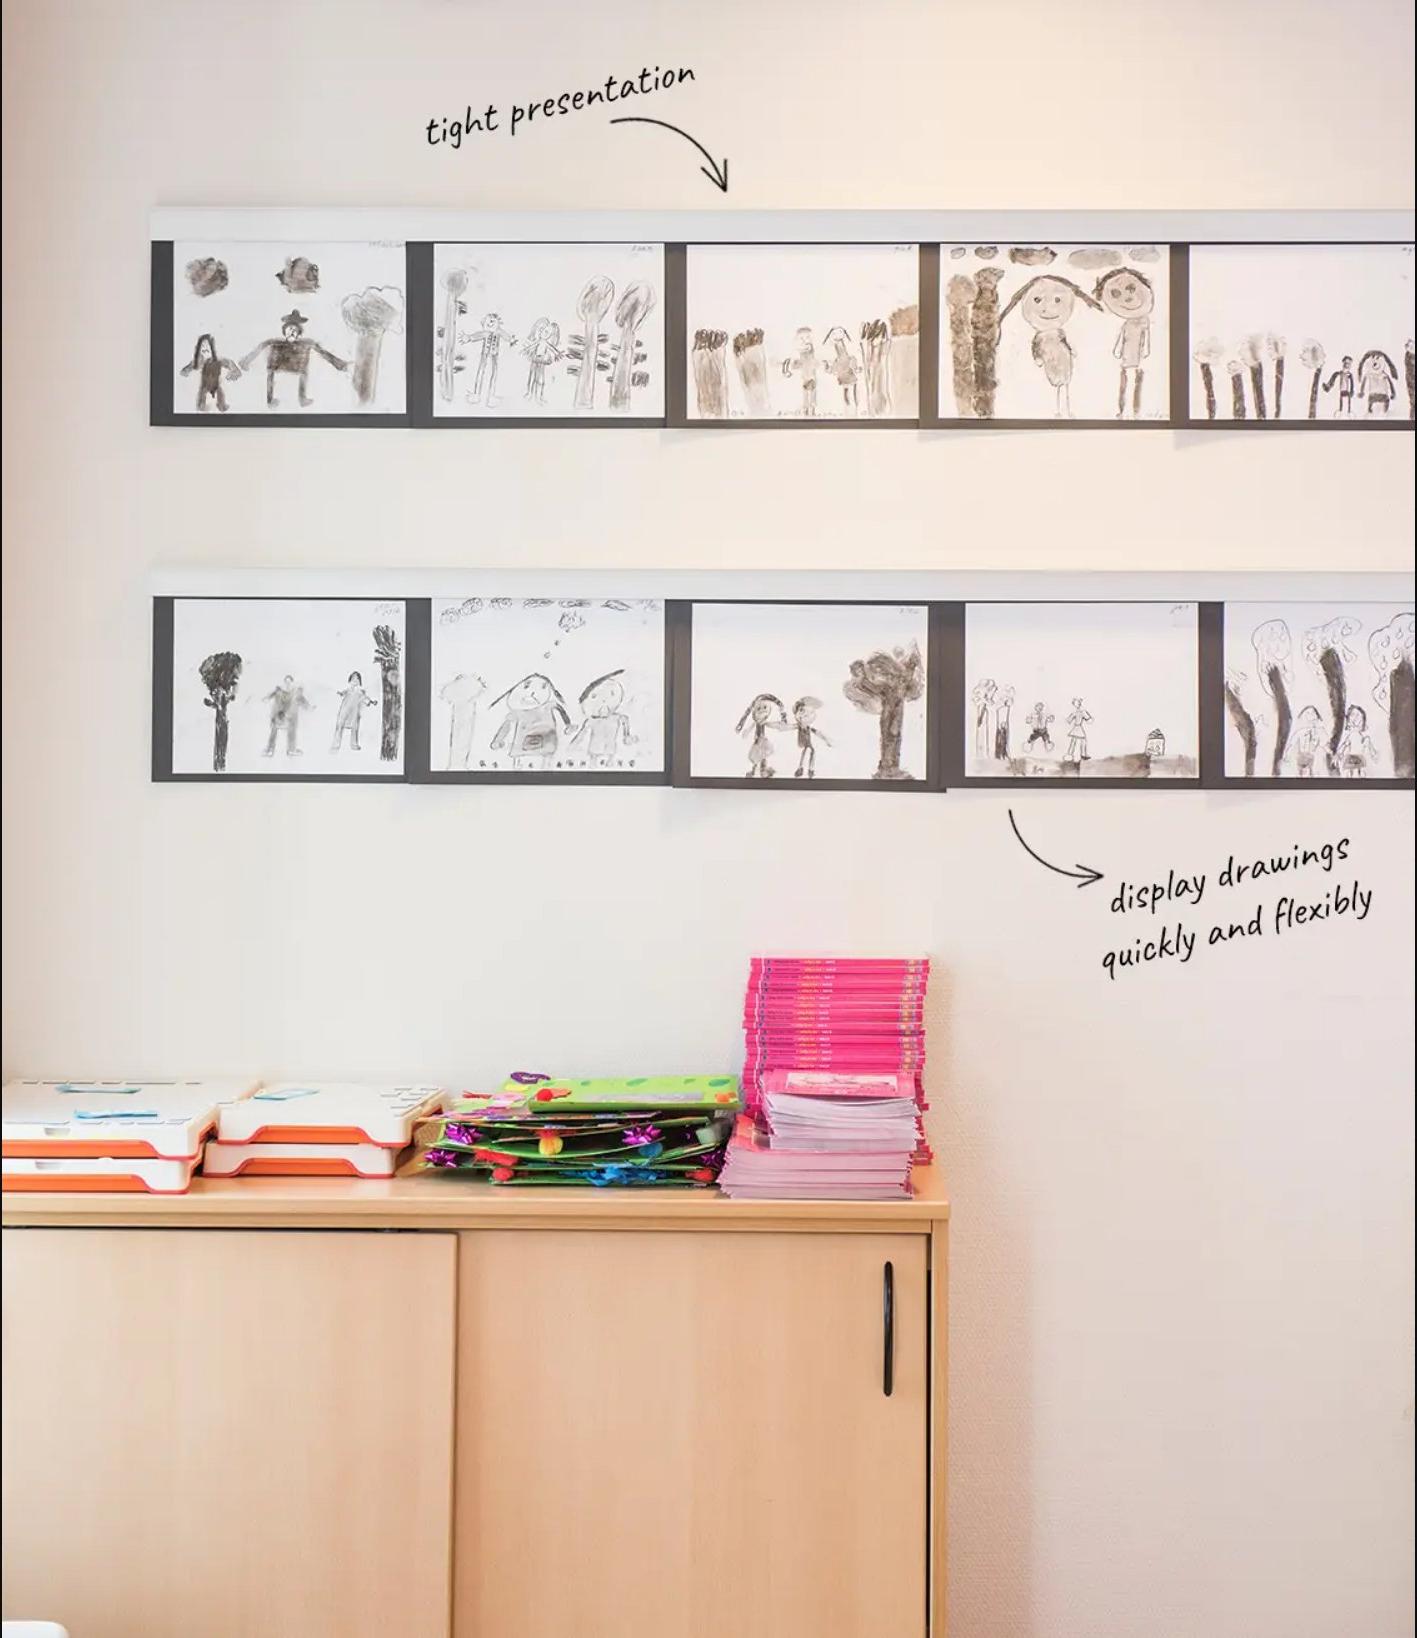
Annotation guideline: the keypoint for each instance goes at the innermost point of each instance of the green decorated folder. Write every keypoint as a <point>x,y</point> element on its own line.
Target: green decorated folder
<point>633,1092</point>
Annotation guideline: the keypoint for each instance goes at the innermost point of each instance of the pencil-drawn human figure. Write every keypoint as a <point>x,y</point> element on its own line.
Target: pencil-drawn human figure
<point>491,337</point>
<point>984,318</point>
<point>803,364</point>
<point>981,700</point>
<point>289,354</point>
<point>1346,382</point>
<point>710,359</point>
<point>461,694</point>
<point>1306,742</point>
<point>764,716</point>
<point>287,700</point>
<point>1003,706</point>
<point>804,719</point>
<point>210,368</point>
<point>1127,294</point>
<point>1047,303</point>
<point>842,366</point>
<point>1155,747</point>
<point>883,684</point>
<point>1077,719</point>
<point>353,701</point>
<point>604,726</point>
<point>1356,750</point>
<point>1377,381</point>
<point>220,674</point>
<point>541,349</point>
<point>875,356</point>
<point>1038,722</point>
<point>531,729</point>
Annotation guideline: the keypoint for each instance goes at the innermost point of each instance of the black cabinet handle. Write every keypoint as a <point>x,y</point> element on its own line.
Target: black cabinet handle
<point>888,1329</point>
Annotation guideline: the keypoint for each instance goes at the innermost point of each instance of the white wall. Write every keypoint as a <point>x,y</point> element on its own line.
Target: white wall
<point>1181,1367</point>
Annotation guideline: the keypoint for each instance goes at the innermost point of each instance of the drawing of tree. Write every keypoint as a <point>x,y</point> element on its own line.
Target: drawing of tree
<point>372,314</point>
<point>882,684</point>
<point>1391,651</point>
<point>386,652</point>
<point>220,674</point>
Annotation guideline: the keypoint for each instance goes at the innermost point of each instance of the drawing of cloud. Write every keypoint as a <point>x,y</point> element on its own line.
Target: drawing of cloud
<point>1095,256</point>
<point>207,275</point>
<point>957,252</point>
<point>1032,255</point>
<point>300,275</point>
<point>1145,253</point>
<point>469,605</point>
<point>986,252</point>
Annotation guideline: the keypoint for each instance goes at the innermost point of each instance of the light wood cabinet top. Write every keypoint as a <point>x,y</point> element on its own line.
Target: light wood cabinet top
<point>424,1201</point>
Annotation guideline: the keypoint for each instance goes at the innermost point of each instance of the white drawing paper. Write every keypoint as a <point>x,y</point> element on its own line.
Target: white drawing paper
<point>547,685</point>
<point>548,330</point>
<point>1318,691</point>
<point>1301,333</point>
<point>797,691</point>
<point>288,328</point>
<point>280,686</point>
<point>1055,332</point>
<point>1081,691</point>
<point>803,332</point>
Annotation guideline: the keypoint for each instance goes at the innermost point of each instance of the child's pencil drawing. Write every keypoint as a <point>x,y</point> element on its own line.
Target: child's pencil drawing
<point>1054,332</point>
<point>812,332</point>
<point>371,314</point>
<point>206,275</point>
<point>210,369</point>
<point>549,330</point>
<point>1110,691</point>
<point>287,701</point>
<point>1347,310</point>
<point>808,691</point>
<point>1317,691</point>
<point>547,685</point>
<point>221,675</point>
<point>274,686</point>
<point>297,346</point>
<point>289,354</point>
<point>350,713</point>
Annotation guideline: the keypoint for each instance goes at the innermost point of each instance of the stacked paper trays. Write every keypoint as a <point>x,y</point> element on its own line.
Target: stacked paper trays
<point>109,1136</point>
<point>667,1131</point>
<point>321,1129</point>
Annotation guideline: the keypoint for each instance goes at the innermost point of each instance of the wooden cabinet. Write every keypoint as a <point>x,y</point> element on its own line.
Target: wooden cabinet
<point>533,1414</point>
<point>242,1435</point>
<point>681,1435</point>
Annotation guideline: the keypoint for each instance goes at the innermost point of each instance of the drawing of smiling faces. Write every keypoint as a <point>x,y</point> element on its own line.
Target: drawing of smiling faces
<point>603,698</point>
<point>804,713</point>
<point>529,693</point>
<point>763,710</point>
<point>1049,304</point>
<point>205,350</point>
<point>1125,293</point>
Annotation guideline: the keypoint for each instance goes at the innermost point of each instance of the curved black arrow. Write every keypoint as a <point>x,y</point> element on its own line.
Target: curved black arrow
<point>718,175</point>
<point>1085,873</point>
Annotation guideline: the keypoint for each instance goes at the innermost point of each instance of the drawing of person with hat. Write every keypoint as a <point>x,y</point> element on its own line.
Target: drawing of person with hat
<point>529,730</point>
<point>289,354</point>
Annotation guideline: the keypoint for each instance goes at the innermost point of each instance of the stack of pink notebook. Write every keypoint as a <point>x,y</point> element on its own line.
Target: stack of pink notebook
<point>825,1136</point>
<point>835,1015</point>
